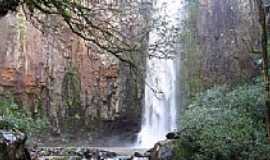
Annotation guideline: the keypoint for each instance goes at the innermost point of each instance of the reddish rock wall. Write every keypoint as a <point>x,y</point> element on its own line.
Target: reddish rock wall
<point>34,64</point>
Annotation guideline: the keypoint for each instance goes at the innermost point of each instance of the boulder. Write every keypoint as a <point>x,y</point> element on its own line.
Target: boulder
<point>163,150</point>
<point>173,135</point>
<point>137,154</point>
<point>12,145</point>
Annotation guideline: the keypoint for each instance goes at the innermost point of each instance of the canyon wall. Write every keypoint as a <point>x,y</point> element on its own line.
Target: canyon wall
<point>53,74</point>
<point>221,44</point>
<point>228,34</point>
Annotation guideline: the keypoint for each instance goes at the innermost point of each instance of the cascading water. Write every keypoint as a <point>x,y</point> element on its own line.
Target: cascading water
<point>160,92</point>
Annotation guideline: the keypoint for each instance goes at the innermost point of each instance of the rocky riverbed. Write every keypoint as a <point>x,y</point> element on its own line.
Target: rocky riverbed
<point>162,150</point>
<point>87,153</point>
<point>13,147</point>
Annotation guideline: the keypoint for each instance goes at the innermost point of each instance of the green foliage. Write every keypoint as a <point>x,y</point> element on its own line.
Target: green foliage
<point>13,117</point>
<point>225,124</point>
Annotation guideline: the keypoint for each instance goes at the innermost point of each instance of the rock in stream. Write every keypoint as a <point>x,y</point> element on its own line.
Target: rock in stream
<point>12,145</point>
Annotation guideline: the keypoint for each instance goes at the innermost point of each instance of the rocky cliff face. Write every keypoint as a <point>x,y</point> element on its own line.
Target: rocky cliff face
<point>228,32</point>
<point>54,74</point>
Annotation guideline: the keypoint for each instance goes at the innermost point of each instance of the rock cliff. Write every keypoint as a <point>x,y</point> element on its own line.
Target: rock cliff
<point>53,74</point>
<point>228,33</point>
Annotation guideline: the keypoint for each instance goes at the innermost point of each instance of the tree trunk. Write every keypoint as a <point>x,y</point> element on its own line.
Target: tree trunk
<point>262,20</point>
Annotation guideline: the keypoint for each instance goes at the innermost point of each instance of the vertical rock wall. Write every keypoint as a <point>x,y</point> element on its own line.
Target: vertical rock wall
<point>53,74</point>
<point>228,33</point>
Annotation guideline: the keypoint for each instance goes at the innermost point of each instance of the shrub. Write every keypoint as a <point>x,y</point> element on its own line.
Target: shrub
<point>13,117</point>
<point>225,124</point>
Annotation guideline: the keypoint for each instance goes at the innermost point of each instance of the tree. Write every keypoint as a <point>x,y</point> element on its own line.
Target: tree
<point>99,24</point>
<point>264,41</point>
<point>107,25</point>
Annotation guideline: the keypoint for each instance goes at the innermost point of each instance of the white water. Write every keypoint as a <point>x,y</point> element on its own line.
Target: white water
<point>160,91</point>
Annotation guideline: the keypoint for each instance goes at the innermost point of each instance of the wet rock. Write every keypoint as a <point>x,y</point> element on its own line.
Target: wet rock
<point>163,150</point>
<point>73,152</point>
<point>12,145</point>
<point>139,158</point>
<point>137,154</point>
<point>173,135</point>
<point>148,153</point>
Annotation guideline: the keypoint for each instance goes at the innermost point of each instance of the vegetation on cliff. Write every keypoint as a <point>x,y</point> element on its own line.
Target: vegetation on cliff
<point>12,116</point>
<point>229,121</point>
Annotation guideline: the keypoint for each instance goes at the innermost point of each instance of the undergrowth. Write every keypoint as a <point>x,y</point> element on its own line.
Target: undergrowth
<point>12,116</point>
<point>225,124</point>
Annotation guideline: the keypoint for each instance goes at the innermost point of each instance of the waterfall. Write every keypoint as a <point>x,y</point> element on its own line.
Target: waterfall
<point>160,91</point>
